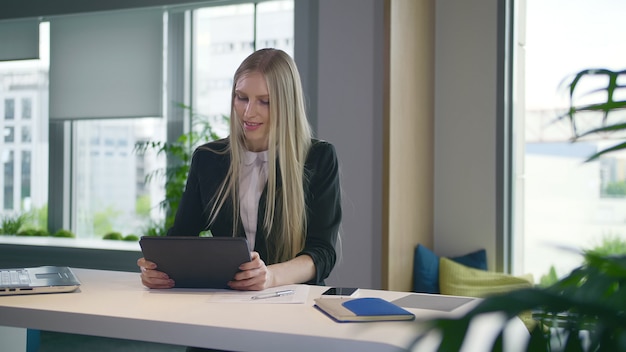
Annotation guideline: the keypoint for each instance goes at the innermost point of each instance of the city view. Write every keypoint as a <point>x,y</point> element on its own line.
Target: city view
<point>114,187</point>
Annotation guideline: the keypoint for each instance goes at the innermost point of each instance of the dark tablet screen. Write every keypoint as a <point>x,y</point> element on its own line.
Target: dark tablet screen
<point>197,262</point>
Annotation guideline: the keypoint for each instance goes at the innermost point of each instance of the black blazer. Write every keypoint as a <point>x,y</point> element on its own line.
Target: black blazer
<point>323,203</point>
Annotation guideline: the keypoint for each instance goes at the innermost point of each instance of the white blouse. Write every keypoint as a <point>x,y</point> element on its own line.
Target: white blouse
<point>252,180</point>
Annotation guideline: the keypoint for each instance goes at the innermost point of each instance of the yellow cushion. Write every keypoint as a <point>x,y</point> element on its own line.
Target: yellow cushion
<point>459,280</point>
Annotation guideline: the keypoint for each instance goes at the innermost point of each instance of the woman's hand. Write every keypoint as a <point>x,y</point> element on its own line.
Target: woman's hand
<point>254,275</point>
<point>152,278</point>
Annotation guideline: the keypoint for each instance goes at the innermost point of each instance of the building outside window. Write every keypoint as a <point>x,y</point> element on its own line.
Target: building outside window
<point>27,108</point>
<point>24,146</point>
<point>9,109</point>
<point>563,201</point>
<point>110,191</point>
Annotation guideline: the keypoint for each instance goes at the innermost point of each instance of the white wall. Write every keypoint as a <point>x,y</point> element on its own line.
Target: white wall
<point>465,127</point>
<point>350,115</point>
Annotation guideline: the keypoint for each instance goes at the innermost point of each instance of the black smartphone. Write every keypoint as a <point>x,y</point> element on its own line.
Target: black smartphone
<point>340,291</point>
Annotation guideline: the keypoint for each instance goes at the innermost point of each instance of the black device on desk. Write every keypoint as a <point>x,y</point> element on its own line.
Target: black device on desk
<point>341,292</point>
<point>196,262</point>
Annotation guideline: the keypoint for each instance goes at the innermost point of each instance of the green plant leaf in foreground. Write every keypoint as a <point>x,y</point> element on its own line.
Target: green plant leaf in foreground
<point>591,298</point>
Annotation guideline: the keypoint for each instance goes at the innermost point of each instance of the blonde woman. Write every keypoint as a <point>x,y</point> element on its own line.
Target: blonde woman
<point>269,181</point>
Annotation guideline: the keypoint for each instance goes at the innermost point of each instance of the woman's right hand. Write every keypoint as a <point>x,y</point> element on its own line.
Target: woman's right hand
<point>152,278</point>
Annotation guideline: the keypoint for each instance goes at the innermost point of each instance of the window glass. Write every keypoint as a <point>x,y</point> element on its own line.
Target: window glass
<point>111,191</point>
<point>9,109</point>
<point>275,25</point>
<point>219,52</point>
<point>8,162</point>
<point>24,144</point>
<point>9,134</point>
<point>26,134</point>
<point>27,108</point>
<point>563,200</point>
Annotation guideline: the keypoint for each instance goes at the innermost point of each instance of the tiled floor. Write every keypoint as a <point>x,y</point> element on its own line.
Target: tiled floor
<point>59,342</point>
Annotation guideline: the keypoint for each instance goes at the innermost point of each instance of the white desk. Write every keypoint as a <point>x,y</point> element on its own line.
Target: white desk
<point>115,304</point>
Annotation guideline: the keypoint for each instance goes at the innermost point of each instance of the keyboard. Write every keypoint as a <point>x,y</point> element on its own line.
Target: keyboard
<point>14,277</point>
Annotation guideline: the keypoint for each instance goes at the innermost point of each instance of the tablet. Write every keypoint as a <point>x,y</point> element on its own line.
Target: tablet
<point>196,262</point>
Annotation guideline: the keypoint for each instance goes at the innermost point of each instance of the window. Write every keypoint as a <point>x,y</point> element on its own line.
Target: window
<point>9,109</point>
<point>219,52</point>
<point>26,134</point>
<point>109,190</point>
<point>8,162</point>
<point>9,134</point>
<point>26,177</point>
<point>565,200</point>
<point>27,108</point>
<point>107,176</point>
<point>24,144</point>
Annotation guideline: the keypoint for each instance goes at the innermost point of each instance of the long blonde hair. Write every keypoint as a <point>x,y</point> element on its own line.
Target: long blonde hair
<point>289,141</point>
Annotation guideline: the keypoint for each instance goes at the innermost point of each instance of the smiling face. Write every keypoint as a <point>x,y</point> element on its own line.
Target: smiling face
<point>252,106</point>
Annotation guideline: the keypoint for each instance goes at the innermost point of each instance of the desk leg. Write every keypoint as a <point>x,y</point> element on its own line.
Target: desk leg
<point>19,339</point>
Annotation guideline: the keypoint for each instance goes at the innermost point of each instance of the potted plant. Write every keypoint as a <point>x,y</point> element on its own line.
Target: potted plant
<point>178,154</point>
<point>585,310</point>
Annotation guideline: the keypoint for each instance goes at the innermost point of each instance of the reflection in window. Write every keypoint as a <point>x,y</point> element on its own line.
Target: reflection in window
<point>26,134</point>
<point>27,108</point>
<point>9,180</point>
<point>9,109</point>
<point>9,134</point>
<point>25,175</point>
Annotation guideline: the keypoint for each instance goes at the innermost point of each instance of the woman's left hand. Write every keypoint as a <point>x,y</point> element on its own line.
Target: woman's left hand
<point>254,275</point>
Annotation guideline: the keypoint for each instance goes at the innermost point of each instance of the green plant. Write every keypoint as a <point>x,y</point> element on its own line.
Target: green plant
<point>178,156</point>
<point>64,233</point>
<point>11,225</point>
<point>33,233</point>
<point>131,238</point>
<point>550,278</point>
<point>615,189</point>
<point>113,236</point>
<point>612,101</point>
<point>103,220</point>
<point>590,299</point>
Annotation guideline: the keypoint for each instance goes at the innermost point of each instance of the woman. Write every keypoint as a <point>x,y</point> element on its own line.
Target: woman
<point>269,181</point>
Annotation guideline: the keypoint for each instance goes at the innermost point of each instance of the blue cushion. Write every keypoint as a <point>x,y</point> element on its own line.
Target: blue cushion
<point>426,267</point>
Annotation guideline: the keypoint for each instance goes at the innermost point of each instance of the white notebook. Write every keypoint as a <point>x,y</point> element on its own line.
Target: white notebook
<point>43,279</point>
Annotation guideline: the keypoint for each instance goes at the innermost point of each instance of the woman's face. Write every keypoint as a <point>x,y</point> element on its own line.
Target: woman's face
<point>252,105</point>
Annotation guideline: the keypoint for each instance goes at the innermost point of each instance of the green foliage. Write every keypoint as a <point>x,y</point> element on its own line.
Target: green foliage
<point>615,189</point>
<point>113,236</point>
<point>590,298</point>
<point>103,220</point>
<point>37,218</point>
<point>614,100</point>
<point>155,230</point>
<point>610,245</point>
<point>33,233</point>
<point>131,238</point>
<point>178,156</point>
<point>142,206</point>
<point>11,225</point>
<point>64,233</point>
<point>550,278</point>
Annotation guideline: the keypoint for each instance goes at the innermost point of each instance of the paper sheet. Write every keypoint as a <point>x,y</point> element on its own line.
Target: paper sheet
<point>300,295</point>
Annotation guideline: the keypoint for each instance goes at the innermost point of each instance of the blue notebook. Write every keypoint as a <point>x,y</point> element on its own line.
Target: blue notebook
<point>362,309</point>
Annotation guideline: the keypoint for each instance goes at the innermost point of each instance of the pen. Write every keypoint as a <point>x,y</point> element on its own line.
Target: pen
<point>274,294</point>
